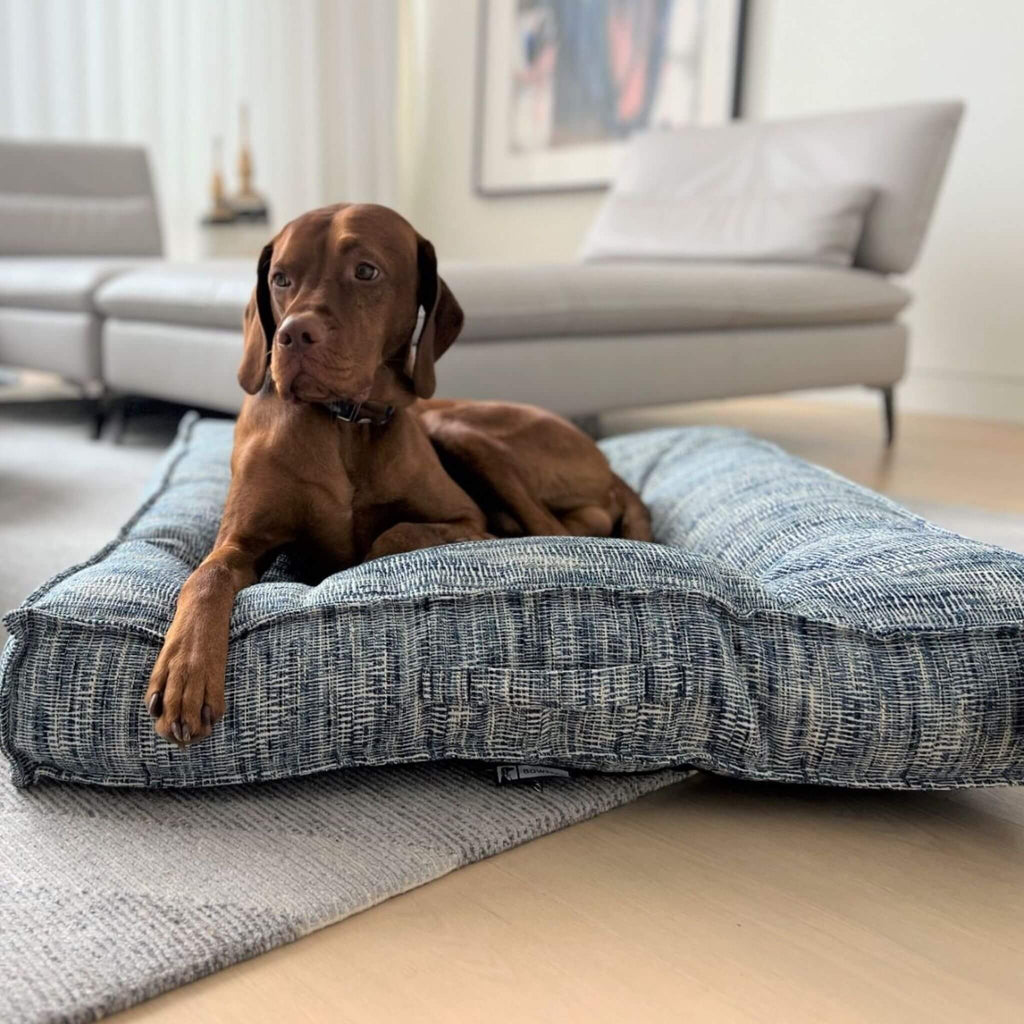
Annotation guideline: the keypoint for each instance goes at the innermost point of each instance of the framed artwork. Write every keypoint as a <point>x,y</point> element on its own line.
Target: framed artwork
<point>563,83</point>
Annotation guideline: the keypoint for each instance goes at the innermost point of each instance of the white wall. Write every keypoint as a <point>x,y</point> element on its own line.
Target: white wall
<point>967,323</point>
<point>436,184</point>
<point>804,55</point>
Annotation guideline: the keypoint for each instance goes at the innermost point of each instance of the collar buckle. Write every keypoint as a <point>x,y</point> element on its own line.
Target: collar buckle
<point>373,413</point>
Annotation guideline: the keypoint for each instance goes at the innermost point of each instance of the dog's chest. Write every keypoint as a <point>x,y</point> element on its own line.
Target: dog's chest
<point>348,513</point>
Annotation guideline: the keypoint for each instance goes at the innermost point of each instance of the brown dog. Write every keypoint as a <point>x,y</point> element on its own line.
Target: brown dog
<point>329,458</point>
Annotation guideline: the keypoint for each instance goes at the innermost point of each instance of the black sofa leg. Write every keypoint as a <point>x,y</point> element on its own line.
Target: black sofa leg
<point>101,405</point>
<point>590,424</point>
<point>121,408</point>
<point>110,411</point>
<point>889,411</point>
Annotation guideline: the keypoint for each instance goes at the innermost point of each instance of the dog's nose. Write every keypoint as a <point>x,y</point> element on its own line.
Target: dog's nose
<point>300,330</point>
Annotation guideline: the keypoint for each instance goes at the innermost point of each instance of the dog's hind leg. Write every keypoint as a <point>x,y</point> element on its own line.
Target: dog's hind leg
<point>634,521</point>
<point>588,521</point>
<point>536,519</point>
<point>488,471</point>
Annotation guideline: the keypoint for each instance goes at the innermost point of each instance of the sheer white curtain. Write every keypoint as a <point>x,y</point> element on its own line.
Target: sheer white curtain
<point>319,77</point>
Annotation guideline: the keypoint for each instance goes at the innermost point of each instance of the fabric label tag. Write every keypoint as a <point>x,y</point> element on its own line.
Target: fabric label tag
<point>528,772</point>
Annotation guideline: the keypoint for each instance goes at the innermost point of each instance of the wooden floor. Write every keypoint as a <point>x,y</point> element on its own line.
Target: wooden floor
<point>711,901</point>
<point>935,458</point>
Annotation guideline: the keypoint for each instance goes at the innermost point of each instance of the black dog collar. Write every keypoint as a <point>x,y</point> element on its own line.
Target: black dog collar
<point>360,412</point>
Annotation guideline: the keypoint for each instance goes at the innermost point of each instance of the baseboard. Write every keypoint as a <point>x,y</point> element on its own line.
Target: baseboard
<point>976,396</point>
<point>979,396</point>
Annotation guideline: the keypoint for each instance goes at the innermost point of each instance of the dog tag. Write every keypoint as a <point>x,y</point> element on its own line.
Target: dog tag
<point>528,773</point>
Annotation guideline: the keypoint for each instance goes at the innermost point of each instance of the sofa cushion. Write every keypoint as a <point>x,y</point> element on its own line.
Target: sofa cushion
<point>56,283</point>
<point>544,301</point>
<point>790,625</point>
<point>898,152</point>
<point>625,298</point>
<point>212,293</point>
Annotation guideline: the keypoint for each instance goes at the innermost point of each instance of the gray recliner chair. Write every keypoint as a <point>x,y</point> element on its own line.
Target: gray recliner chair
<point>71,217</point>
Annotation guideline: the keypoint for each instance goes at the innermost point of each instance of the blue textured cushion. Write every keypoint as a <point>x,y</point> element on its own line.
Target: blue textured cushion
<point>791,626</point>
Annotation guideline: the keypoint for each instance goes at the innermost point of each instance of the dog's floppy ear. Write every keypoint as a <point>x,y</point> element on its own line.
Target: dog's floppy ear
<point>443,320</point>
<point>258,328</point>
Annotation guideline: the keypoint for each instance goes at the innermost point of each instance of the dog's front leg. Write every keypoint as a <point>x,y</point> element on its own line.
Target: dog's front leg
<point>186,688</point>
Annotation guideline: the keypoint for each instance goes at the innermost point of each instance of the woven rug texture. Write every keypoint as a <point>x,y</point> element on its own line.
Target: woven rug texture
<point>109,897</point>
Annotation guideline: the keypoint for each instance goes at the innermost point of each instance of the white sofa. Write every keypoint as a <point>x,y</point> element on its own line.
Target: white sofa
<point>591,336</point>
<point>578,338</point>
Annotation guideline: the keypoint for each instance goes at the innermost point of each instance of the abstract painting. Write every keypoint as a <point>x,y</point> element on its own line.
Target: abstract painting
<point>564,82</point>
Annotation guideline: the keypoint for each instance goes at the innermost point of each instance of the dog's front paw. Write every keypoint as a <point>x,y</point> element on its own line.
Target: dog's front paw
<point>186,692</point>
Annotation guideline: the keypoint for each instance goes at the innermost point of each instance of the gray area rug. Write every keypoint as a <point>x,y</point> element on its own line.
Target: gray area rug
<point>110,897</point>
<point>62,497</point>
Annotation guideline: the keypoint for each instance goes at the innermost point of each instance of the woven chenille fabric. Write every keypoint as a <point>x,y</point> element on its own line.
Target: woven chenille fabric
<point>789,625</point>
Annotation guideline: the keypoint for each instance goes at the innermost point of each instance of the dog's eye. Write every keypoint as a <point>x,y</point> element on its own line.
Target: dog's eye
<point>366,272</point>
<point>280,280</point>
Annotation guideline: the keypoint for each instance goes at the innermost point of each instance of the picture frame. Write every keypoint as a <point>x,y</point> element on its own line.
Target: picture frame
<point>561,84</point>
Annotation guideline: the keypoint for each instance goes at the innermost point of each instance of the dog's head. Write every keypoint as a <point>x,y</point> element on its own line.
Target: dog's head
<point>335,308</point>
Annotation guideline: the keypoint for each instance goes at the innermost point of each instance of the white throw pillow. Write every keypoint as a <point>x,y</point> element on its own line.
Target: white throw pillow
<point>899,152</point>
<point>818,225</point>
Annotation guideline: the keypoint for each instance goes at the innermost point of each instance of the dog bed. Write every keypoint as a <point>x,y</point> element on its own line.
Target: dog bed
<point>790,625</point>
